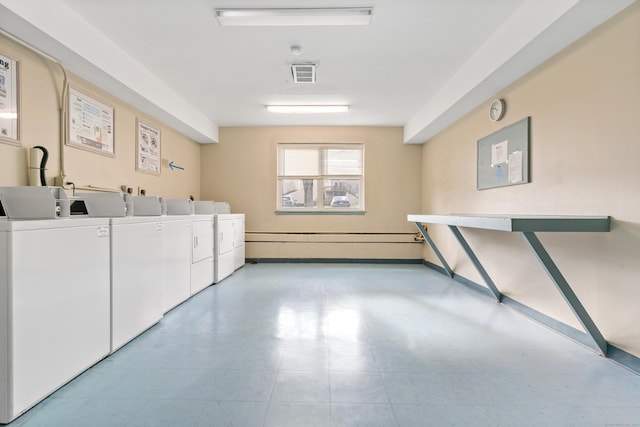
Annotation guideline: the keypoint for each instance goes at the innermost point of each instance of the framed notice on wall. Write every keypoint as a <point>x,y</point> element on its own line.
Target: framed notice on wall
<point>9,110</point>
<point>147,148</point>
<point>91,125</point>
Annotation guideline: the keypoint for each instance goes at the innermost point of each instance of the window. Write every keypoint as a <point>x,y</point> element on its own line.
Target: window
<point>321,178</point>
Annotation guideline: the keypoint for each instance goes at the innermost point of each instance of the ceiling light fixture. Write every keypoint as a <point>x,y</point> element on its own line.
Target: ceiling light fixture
<point>307,109</point>
<point>293,16</point>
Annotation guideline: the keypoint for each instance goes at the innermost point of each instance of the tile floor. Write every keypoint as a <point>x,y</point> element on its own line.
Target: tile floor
<point>345,345</point>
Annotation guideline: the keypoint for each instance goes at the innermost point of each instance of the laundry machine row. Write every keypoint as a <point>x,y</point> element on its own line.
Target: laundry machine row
<point>80,278</point>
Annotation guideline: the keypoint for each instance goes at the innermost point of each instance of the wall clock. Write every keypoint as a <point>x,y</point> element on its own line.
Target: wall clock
<point>497,110</point>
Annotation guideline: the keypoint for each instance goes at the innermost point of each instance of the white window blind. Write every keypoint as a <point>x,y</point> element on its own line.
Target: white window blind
<point>321,177</point>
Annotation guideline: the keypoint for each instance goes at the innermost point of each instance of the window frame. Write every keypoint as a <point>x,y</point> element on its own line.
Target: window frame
<point>319,179</point>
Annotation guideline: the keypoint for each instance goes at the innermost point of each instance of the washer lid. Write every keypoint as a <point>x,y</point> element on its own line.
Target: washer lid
<point>105,205</point>
<point>27,203</point>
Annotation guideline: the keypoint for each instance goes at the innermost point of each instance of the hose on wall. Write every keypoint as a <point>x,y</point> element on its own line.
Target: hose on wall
<point>43,164</point>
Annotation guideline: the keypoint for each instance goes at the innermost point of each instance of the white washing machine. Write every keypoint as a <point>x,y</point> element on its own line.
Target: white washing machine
<point>176,263</point>
<point>136,261</point>
<point>202,247</point>
<point>54,295</point>
<point>238,241</point>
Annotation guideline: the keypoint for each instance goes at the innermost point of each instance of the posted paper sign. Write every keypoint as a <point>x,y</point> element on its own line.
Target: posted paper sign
<point>499,153</point>
<point>515,167</point>
<point>148,149</point>
<point>90,123</point>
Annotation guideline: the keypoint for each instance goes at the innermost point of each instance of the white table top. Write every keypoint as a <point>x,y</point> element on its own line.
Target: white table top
<point>522,223</point>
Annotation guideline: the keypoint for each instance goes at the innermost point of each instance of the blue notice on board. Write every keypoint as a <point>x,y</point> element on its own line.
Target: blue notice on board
<point>499,173</point>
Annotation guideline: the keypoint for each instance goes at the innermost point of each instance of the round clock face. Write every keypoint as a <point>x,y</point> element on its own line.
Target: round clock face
<point>496,111</point>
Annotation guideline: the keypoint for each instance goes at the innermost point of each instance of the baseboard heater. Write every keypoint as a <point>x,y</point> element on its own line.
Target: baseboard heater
<point>329,237</point>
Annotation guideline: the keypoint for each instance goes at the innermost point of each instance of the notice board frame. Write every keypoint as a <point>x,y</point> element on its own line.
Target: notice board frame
<point>503,156</point>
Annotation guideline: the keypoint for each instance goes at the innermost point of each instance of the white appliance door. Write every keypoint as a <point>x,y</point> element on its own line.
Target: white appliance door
<point>225,234</point>
<point>202,267</point>
<point>238,241</point>
<point>224,266</point>
<point>60,307</point>
<point>202,240</point>
<point>238,228</point>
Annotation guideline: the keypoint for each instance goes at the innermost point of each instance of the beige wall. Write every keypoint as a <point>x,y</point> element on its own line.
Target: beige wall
<point>584,106</point>
<point>241,169</point>
<point>40,85</point>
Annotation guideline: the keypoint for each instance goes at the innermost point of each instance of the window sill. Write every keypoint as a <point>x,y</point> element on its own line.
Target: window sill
<point>318,212</point>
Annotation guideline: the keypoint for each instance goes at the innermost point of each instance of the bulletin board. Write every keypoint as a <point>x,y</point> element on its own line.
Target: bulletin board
<point>503,156</point>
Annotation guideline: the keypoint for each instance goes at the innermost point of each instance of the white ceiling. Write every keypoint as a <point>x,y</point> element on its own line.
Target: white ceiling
<point>421,64</point>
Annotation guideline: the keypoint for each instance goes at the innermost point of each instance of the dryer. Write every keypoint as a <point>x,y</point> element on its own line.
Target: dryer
<point>54,295</point>
<point>202,246</point>
<point>238,241</point>
<point>224,235</point>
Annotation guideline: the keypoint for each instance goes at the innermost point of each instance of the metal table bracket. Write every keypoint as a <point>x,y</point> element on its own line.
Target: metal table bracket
<point>527,225</point>
<point>476,263</point>
<point>565,290</point>
<point>427,238</point>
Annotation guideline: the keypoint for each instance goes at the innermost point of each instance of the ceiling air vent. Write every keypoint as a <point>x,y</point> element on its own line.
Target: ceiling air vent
<point>304,73</point>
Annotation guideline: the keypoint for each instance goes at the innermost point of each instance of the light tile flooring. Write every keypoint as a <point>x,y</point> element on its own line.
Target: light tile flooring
<point>345,345</point>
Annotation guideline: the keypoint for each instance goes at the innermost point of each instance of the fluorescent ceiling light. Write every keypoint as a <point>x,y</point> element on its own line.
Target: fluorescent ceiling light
<point>307,109</point>
<point>8,115</point>
<point>292,16</point>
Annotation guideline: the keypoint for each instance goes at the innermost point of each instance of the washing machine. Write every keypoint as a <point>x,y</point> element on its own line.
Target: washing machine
<point>54,295</point>
<point>238,241</point>
<point>202,247</point>
<point>176,253</point>
<point>136,231</point>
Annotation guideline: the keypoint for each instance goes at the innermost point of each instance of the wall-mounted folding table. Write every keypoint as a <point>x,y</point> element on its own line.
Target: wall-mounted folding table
<point>528,226</point>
